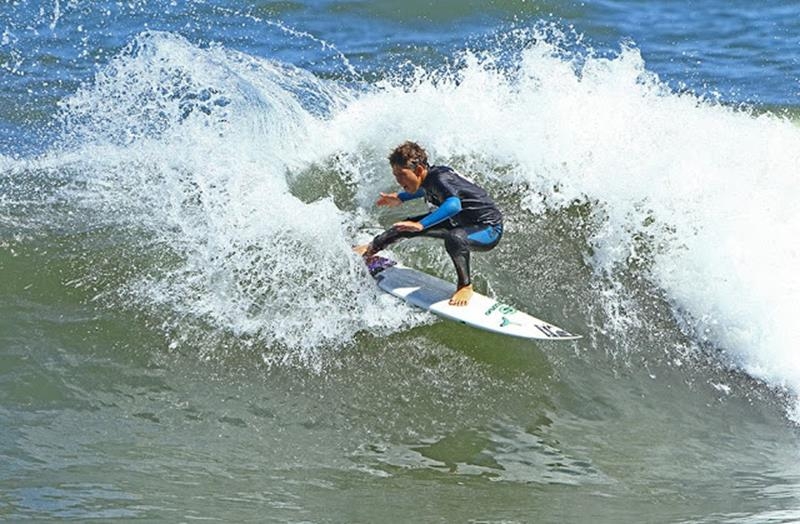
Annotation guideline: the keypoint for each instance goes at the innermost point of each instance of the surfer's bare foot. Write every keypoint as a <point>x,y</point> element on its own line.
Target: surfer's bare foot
<point>363,250</point>
<point>461,297</point>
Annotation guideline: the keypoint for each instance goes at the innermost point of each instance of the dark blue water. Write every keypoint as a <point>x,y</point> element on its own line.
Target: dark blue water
<point>739,51</point>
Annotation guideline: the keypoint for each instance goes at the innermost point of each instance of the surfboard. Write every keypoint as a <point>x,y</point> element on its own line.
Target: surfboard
<point>433,294</point>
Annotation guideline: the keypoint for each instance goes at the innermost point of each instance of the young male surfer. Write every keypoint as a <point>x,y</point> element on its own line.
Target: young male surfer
<point>466,217</point>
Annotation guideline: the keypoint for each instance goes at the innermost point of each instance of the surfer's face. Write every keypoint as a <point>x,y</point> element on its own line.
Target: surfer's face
<point>410,177</point>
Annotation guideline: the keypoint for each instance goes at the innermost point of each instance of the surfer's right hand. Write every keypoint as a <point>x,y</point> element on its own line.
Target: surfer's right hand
<point>389,199</point>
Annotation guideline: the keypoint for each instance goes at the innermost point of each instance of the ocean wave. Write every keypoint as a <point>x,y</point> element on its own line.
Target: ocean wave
<point>259,176</point>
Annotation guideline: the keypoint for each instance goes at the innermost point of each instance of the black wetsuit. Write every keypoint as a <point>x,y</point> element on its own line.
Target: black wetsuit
<point>467,219</point>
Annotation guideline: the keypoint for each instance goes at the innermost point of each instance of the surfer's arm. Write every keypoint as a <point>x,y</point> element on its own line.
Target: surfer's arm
<point>405,196</point>
<point>449,208</point>
<point>395,199</point>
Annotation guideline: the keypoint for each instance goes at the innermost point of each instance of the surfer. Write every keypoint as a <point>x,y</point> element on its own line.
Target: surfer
<point>465,216</point>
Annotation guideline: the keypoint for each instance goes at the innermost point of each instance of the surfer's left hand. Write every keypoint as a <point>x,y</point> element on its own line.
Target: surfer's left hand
<point>408,225</point>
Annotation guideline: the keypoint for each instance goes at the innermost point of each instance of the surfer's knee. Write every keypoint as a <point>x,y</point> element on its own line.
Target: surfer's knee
<point>385,239</point>
<point>456,242</point>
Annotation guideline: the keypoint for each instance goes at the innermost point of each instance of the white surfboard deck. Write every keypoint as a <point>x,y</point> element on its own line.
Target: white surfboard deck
<point>433,294</point>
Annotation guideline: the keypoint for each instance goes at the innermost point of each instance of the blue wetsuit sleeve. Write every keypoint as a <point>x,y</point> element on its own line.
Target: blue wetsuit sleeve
<point>449,208</point>
<point>404,197</point>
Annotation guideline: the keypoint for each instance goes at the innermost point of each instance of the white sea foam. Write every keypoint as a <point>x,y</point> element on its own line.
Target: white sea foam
<point>193,147</point>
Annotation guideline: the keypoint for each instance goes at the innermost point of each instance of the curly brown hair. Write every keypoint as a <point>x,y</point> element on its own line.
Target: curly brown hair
<point>408,154</point>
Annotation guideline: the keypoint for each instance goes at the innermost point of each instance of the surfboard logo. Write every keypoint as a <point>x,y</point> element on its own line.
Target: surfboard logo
<point>553,332</point>
<point>506,322</point>
<point>505,309</point>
